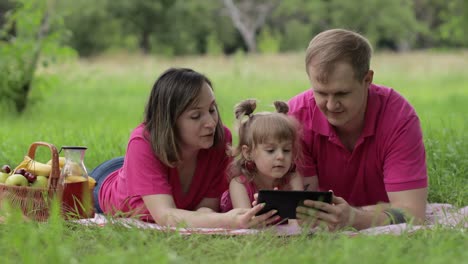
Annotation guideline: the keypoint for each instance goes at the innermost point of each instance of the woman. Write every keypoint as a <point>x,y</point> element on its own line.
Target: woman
<point>174,170</point>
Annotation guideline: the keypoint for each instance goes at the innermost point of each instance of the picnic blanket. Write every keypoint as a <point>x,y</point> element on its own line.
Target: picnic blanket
<point>437,214</point>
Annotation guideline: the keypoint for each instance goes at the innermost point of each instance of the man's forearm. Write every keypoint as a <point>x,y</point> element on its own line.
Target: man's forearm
<point>366,218</point>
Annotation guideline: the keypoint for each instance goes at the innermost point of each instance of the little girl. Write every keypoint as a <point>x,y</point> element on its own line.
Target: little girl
<point>265,155</point>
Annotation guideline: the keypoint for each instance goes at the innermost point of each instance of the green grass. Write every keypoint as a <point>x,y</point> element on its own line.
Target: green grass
<point>98,102</point>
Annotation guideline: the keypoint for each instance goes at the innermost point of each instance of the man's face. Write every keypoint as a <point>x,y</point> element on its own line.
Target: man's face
<point>343,99</point>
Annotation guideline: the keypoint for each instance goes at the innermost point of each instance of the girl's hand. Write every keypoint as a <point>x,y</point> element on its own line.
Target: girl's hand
<point>246,218</point>
<point>255,202</point>
<point>334,216</point>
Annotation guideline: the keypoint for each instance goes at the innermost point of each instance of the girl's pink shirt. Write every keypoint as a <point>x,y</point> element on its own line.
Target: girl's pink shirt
<point>226,201</point>
<point>144,174</point>
<point>250,187</point>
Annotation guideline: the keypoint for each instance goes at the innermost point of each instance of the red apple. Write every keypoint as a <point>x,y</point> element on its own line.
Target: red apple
<point>31,177</point>
<point>6,169</point>
<point>21,171</point>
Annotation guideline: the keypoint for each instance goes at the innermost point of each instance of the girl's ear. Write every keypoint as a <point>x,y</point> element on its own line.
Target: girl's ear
<point>246,152</point>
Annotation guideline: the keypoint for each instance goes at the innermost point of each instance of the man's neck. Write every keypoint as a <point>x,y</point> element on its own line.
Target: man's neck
<point>350,133</point>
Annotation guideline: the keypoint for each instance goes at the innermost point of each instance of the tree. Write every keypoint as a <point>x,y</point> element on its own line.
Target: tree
<point>390,23</point>
<point>142,17</point>
<point>32,20</point>
<point>445,22</point>
<point>248,17</point>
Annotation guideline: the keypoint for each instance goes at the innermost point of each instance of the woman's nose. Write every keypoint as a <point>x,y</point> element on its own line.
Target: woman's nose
<point>211,122</point>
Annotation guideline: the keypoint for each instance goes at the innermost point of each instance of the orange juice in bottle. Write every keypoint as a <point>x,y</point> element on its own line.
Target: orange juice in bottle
<point>77,198</point>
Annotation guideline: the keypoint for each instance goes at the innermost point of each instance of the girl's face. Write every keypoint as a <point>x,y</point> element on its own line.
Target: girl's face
<point>273,159</point>
<point>196,126</point>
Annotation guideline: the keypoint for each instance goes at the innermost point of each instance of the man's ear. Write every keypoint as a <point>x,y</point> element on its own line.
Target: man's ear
<point>368,78</point>
<point>246,152</point>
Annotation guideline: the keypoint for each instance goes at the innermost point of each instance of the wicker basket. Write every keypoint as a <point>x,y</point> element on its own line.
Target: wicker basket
<point>35,202</point>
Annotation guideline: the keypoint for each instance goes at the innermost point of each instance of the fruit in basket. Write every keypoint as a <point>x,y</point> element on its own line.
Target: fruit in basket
<point>17,180</point>
<point>21,171</point>
<point>41,182</point>
<point>6,169</point>
<point>35,167</point>
<point>74,178</point>
<point>30,177</point>
<point>61,162</point>
<point>91,182</point>
<point>3,177</point>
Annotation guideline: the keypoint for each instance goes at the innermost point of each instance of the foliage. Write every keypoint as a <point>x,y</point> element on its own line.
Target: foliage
<point>213,45</point>
<point>186,27</point>
<point>37,30</point>
<point>93,28</point>
<point>97,104</point>
<point>268,42</point>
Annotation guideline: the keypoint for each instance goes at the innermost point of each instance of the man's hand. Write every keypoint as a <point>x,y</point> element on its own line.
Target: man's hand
<point>334,216</point>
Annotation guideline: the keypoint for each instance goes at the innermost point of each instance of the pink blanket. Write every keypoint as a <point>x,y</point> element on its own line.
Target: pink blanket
<point>436,215</point>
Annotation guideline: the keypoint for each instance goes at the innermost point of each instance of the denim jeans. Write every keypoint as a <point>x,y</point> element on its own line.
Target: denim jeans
<point>100,173</point>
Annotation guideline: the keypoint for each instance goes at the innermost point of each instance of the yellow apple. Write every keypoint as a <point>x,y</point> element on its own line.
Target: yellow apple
<point>3,177</point>
<point>40,182</point>
<point>17,180</point>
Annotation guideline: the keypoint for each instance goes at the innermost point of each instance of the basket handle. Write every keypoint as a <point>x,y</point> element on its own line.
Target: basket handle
<point>55,173</point>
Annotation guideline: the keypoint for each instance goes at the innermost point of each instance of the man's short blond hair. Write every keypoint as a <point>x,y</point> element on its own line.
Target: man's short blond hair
<point>338,45</point>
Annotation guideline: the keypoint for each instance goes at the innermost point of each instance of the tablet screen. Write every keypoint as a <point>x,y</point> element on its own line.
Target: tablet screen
<point>287,201</point>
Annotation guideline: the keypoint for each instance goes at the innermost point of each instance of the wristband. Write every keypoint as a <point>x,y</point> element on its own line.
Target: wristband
<point>395,215</point>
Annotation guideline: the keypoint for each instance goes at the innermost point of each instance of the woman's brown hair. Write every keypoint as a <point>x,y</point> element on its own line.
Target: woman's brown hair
<point>173,92</point>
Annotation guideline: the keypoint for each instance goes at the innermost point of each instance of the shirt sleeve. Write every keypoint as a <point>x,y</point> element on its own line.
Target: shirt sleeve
<point>405,158</point>
<point>306,165</point>
<point>145,173</point>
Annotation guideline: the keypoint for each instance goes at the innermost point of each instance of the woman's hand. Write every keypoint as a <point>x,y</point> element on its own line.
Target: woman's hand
<point>334,216</point>
<point>246,218</point>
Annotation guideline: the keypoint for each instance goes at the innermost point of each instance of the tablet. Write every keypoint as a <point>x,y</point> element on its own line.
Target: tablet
<point>287,201</point>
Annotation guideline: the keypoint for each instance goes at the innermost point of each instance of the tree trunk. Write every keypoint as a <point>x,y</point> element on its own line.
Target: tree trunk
<point>22,99</point>
<point>145,42</point>
<point>249,17</point>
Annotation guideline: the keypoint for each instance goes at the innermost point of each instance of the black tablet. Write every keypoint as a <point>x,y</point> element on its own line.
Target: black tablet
<point>287,201</point>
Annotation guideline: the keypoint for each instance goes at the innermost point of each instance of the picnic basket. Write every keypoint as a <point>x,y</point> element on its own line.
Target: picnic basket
<point>34,202</point>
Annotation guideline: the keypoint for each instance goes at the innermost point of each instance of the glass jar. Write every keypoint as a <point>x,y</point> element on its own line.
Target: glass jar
<point>77,198</point>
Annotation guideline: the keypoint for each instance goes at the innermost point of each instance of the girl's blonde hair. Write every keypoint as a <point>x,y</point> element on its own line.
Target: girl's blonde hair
<point>259,128</point>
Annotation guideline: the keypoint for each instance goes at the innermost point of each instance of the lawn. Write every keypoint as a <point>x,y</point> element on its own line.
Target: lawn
<point>96,103</point>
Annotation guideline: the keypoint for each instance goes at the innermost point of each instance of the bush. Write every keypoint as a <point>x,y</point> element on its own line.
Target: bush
<point>268,42</point>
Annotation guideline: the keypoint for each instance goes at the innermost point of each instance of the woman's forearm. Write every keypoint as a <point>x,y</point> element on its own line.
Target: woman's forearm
<point>183,218</point>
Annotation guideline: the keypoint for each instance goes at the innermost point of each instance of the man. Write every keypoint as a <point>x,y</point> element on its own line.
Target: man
<point>361,140</point>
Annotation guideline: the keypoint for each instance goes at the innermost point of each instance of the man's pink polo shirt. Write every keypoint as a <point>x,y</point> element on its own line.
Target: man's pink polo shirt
<point>389,155</point>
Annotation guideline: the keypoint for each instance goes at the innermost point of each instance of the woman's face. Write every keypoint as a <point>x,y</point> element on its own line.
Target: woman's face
<point>196,126</point>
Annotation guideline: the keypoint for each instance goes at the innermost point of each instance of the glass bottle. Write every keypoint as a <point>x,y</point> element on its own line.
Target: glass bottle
<point>77,196</point>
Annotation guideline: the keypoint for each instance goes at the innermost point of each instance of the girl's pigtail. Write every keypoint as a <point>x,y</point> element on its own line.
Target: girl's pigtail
<point>281,107</point>
<point>245,108</point>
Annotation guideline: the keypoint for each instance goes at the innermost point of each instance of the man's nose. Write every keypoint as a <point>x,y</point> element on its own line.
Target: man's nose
<point>332,103</point>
